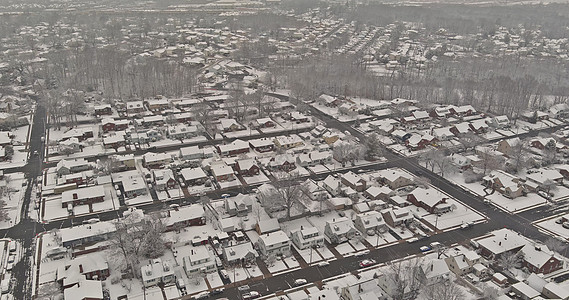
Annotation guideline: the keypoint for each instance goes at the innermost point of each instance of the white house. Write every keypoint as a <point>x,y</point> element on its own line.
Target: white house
<point>307,237</point>
<point>200,259</point>
<point>339,230</point>
<point>274,243</point>
<point>157,272</point>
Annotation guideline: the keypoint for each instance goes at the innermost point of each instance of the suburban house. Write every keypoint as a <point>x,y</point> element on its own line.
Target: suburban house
<point>240,253</point>
<point>395,178</point>
<point>539,259</point>
<point>156,160</point>
<point>222,172</point>
<point>157,272</point>
<point>397,216</point>
<point>234,148</point>
<point>230,125</point>
<point>267,226</point>
<point>274,244</point>
<point>164,179</point>
<point>133,186</point>
<point>543,179</point>
<point>365,288</point>
<point>507,146</point>
<point>499,242</point>
<point>85,290</point>
<point>339,230</point>
<point>354,181</point>
<point>193,176</point>
<point>247,167</point>
<point>83,196</point>
<point>304,238</point>
<point>376,193</point>
<point>65,166</point>
<point>90,267</point>
<point>264,123</point>
<point>507,184</point>
<point>200,260</point>
<point>434,271</point>
<point>332,185</point>
<point>288,142</point>
<point>282,162</point>
<point>192,215</point>
<point>123,162</point>
<point>85,234</point>
<point>262,145</point>
<point>103,109</point>
<point>109,125</point>
<point>431,200</point>
<point>370,222</point>
<point>239,205</point>
<point>463,263</point>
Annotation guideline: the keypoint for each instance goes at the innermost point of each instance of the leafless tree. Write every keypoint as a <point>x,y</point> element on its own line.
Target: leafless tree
<point>489,160</point>
<point>444,291</point>
<point>555,245</point>
<point>509,260</point>
<point>405,277</point>
<point>469,140</point>
<point>49,291</point>
<point>489,293</point>
<point>374,146</point>
<point>422,181</point>
<point>518,154</point>
<point>288,192</point>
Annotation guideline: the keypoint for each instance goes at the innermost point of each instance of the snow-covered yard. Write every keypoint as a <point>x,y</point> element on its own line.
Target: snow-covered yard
<point>518,204</point>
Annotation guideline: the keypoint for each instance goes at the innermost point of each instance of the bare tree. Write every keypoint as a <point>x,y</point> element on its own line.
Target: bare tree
<point>49,291</point>
<point>3,211</point>
<point>509,260</point>
<point>443,291</point>
<point>422,181</point>
<point>135,239</point>
<point>555,245</point>
<point>489,160</point>
<point>518,154</point>
<point>287,192</point>
<point>405,278</point>
<point>489,293</point>
<point>469,140</point>
<point>374,147</point>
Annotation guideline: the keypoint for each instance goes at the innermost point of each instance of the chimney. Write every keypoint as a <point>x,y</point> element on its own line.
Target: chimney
<point>432,267</point>
<point>75,196</point>
<point>359,288</point>
<point>301,227</point>
<point>81,268</point>
<point>500,244</point>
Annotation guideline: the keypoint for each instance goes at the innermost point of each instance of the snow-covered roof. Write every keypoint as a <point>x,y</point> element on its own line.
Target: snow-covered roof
<point>274,238</point>
<point>502,240</point>
<point>192,173</point>
<point>185,213</point>
<point>85,289</point>
<point>83,193</point>
<point>85,231</point>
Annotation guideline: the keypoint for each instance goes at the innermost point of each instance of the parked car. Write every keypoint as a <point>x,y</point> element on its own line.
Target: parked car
<point>250,295</point>
<point>244,288</point>
<point>323,264</point>
<point>566,225</point>
<point>300,282</point>
<point>559,221</point>
<point>217,291</point>
<point>202,295</point>
<point>366,263</point>
<point>425,248</point>
<point>412,240</point>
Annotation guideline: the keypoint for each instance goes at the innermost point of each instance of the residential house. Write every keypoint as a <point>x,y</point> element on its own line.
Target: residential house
<point>434,271</point>
<point>83,196</point>
<point>463,263</point>
<point>181,131</point>
<point>240,253</point>
<point>133,186</point>
<point>234,148</point>
<point>376,193</point>
<point>192,215</point>
<point>104,109</point>
<point>507,184</point>
<point>85,290</point>
<point>431,200</point>
<point>153,121</point>
<point>156,160</point>
<point>267,226</point>
<point>370,223</point>
<point>274,244</point>
<point>304,238</point>
<point>230,125</point>
<point>239,205</point>
<point>397,216</point>
<point>109,125</point>
<point>540,142</point>
<point>85,234</point>
<point>71,145</point>
<point>298,117</point>
<point>462,111</point>
<point>499,122</point>
<point>222,172</point>
<point>288,142</point>
<point>262,145</point>
<point>539,259</point>
<point>282,162</point>
<point>247,167</point>
<point>264,123</point>
<point>354,181</point>
<point>157,105</point>
<point>134,107</point>
<point>363,289</point>
<point>200,260</point>
<point>157,272</point>
<point>543,180</point>
<point>395,178</point>
<point>193,176</point>
<point>163,179</point>
<point>66,166</point>
<point>524,291</point>
<point>553,290</point>
<point>91,267</point>
<point>508,146</point>
<point>332,185</point>
<point>114,141</point>
<point>339,230</point>
<point>499,242</point>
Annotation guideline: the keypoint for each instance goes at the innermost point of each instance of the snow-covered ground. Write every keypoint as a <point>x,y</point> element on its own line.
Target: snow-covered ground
<point>13,197</point>
<point>549,226</point>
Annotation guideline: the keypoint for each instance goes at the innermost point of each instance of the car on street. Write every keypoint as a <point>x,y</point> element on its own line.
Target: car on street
<point>217,291</point>
<point>300,281</point>
<point>202,295</point>
<point>244,288</point>
<point>366,263</point>
<point>412,240</point>
<point>323,264</point>
<point>250,295</point>
<point>559,221</point>
<point>425,248</point>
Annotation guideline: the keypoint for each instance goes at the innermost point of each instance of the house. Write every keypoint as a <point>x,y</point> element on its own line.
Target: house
<point>164,179</point>
<point>288,142</point>
<point>80,134</point>
<point>339,230</point>
<point>134,107</point>
<point>267,226</point>
<point>507,147</point>
<point>463,263</point>
<point>329,101</point>
<point>264,123</point>
<point>85,234</point>
<point>191,153</point>
<point>72,145</point>
<point>332,185</point>
<point>434,271</point>
<point>230,125</point>
<point>240,253</point>
<point>110,124</point>
<point>507,184</point>
<point>193,176</point>
<point>499,242</point>
<point>354,181</point>
<point>499,122</point>
<point>65,166</point>
<point>274,244</point>
<point>83,196</point>
<point>192,215</point>
<point>156,160</point>
<point>5,138</point>
<point>363,289</point>
<point>234,148</point>
<point>398,201</point>
<point>222,172</point>
<point>461,128</point>
<point>104,109</point>
<point>133,186</point>
<point>539,259</point>
<point>181,131</point>
<point>282,162</point>
<point>524,291</point>
<point>157,105</point>
<point>309,237</point>
<point>247,167</point>
<point>464,110</point>
<point>554,290</point>
<point>199,260</point>
<point>540,142</point>
<point>156,272</point>
<point>114,141</point>
<point>397,216</point>
<point>370,223</point>
<point>431,200</point>
<point>262,145</point>
<point>298,117</point>
<point>560,110</point>
<point>541,179</point>
<point>85,290</point>
<point>91,267</point>
<point>478,126</point>
<point>395,178</point>
<point>239,205</point>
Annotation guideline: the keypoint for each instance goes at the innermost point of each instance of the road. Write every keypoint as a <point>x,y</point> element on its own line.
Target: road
<point>26,229</point>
